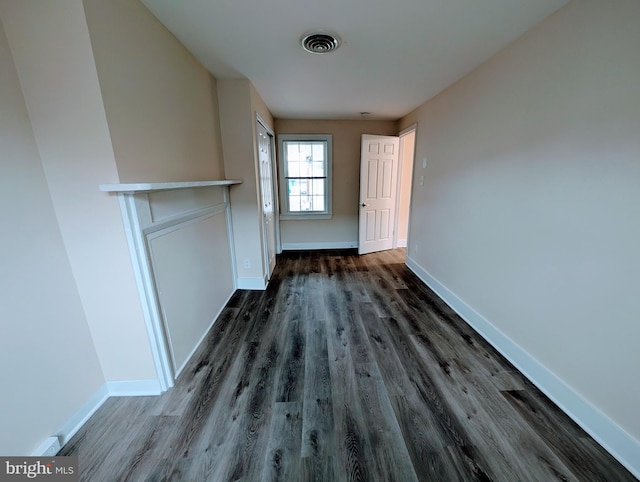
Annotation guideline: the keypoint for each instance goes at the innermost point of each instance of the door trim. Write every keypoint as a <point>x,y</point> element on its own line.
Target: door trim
<point>412,128</point>
<point>274,191</point>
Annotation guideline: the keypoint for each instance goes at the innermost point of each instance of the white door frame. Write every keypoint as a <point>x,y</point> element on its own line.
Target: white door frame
<point>401,136</point>
<point>274,191</point>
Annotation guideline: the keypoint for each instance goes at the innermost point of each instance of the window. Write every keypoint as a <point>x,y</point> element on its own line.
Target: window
<point>305,176</point>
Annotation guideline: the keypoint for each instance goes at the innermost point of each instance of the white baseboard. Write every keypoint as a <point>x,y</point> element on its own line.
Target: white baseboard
<point>48,448</point>
<point>401,243</point>
<point>204,335</point>
<point>614,439</point>
<point>76,421</point>
<point>312,246</point>
<point>109,389</point>
<point>134,388</point>
<point>125,388</point>
<point>259,284</point>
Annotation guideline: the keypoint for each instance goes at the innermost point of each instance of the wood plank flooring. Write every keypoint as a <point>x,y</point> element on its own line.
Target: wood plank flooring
<point>347,368</point>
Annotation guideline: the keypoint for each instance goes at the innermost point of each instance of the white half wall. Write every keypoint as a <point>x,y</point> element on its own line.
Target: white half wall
<point>192,266</point>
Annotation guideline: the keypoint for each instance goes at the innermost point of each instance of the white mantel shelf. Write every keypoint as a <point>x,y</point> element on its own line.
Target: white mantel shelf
<point>164,186</point>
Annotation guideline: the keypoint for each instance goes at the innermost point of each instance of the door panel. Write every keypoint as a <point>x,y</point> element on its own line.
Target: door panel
<point>387,178</point>
<point>385,216</point>
<point>372,184</point>
<point>378,169</point>
<point>370,228</point>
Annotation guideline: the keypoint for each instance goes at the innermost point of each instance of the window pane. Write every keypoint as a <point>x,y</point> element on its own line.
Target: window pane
<point>305,151</point>
<point>318,186</point>
<point>305,203</point>
<point>294,187</point>
<point>318,203</point>
<point>292,151</point>
<point>318,169</point>
<point>305,169</point>
<point>318,151</point>
<point>294,203</point>
<point>293,169</point>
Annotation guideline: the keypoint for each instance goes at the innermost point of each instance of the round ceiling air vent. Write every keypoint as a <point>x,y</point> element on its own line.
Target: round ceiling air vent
<point>320,42</point>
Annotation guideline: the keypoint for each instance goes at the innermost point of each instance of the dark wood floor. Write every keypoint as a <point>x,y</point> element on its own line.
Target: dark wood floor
<point>346,368</point>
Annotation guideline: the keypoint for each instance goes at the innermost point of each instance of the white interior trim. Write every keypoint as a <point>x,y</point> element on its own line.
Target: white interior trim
<point>78,419</point>
<point>206,333</point>
<point>274,192</point>
<point>406,130</point>
<point>313,246</point>
<point>141,227</point>
<point>164,186</point>
<point>48,448</point>
<point>232,244</point>
<point>126,388</point>
<point>402,243</point>
<point>134,388</point>
<point>624,447</point>
<point>146,288</point>
<point>256,283</point>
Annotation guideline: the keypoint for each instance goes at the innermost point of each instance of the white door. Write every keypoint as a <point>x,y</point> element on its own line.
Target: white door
<point>378,170</point>
<point>266,188</point>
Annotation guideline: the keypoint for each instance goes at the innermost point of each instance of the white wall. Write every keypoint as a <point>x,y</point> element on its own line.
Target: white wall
<point>239,103</point>
<point>342,229</point>
<point>162,112</point>
<point>52,53</point>
<point>139,93</point>
<point>160,102</point>
<point>49,363</point>
<point>529,212</point>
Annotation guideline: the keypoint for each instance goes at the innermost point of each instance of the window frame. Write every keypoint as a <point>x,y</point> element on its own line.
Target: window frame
<point>285,212</point>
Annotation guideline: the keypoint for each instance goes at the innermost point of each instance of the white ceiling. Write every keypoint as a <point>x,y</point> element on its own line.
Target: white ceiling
<point>395,54</point>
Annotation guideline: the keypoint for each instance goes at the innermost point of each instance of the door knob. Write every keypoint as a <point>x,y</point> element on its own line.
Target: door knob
<point>363,204</point>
